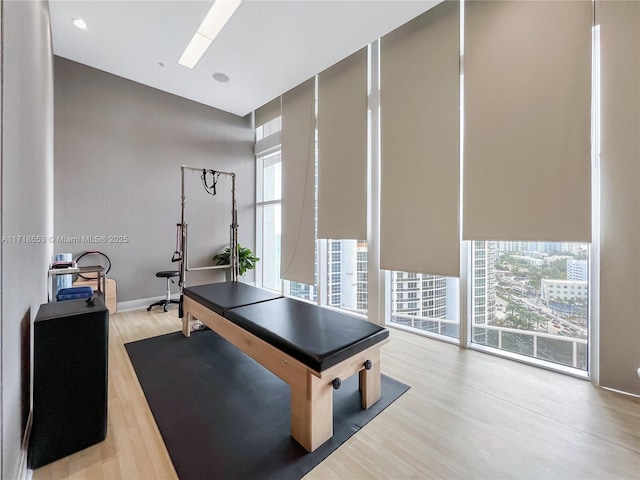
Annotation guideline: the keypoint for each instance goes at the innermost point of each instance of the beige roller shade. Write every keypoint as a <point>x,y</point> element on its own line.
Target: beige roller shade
<point>298,172</point>
<point>419,96</point>
<point>342,149</point>
<point>527,95</point>
<point>268,111</point>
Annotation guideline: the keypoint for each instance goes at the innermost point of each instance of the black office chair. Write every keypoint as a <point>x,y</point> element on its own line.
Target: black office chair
<point>168,274</point>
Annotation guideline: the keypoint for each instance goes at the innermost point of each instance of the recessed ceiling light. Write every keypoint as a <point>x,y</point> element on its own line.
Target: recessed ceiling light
<point>217,17</point>
<point>220,77</point>
<point>78,22</point>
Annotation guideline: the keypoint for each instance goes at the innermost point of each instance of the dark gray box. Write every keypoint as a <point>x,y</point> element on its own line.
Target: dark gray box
<point>70,378</point>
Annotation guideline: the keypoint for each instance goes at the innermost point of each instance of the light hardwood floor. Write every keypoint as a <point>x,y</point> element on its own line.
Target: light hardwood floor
<point>467,415</point>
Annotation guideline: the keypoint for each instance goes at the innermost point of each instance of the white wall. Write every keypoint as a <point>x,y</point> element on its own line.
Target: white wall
<point>26,205</point>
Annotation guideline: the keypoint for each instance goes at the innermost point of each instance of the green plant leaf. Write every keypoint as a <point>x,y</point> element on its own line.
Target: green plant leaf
<point>246,259</point>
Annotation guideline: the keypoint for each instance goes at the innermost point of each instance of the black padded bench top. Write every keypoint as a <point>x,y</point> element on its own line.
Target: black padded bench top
<point>316,336</point>
<point>220,297</point>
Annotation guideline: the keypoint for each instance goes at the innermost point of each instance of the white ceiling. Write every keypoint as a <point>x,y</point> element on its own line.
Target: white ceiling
<point>267,48</point>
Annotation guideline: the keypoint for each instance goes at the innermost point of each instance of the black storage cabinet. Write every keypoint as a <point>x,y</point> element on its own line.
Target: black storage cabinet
<point>70,365</point>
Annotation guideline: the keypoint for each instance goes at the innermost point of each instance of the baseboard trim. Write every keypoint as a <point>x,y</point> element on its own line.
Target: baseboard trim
<point>24,473</point>
<point>140,303</point>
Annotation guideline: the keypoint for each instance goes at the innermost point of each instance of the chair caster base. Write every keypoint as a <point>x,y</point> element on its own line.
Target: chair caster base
<point>164,304</point>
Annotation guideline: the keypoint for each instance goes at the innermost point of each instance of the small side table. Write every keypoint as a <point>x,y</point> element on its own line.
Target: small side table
<point>98,269</point>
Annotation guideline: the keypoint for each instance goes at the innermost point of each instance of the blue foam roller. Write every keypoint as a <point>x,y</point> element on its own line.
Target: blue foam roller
<point>74,293</point>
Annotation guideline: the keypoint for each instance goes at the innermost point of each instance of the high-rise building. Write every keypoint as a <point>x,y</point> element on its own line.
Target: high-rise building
<point>421,301</point>
<point>577,270</point>
<point>362,292</point>
<point>347,274</point>
<point>484,288</point>
<point>419,294</point>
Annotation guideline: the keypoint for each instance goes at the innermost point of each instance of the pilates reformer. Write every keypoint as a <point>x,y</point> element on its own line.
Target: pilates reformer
<point>181,254</point>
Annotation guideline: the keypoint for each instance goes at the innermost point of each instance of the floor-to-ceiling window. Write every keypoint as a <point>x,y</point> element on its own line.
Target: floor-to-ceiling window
<point>525,300</point>
<point>268,212</point>
<point>268,199</point>
<point>532,299</point>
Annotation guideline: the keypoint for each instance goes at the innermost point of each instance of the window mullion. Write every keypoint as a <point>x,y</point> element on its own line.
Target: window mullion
<point>465,315</point>
<point>376,285</point>
<point>322,272</point>
<point>466,295</point>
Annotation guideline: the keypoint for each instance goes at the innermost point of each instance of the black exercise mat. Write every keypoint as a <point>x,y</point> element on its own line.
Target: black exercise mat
<point>223,415</point>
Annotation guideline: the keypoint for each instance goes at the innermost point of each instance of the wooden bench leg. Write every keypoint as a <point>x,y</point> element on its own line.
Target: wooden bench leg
<point>370,384</point>
<point>312,412</point>
<point>187,324</point>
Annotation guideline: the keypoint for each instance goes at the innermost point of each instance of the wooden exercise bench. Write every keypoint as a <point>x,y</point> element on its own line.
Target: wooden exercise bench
<point>311,348</point>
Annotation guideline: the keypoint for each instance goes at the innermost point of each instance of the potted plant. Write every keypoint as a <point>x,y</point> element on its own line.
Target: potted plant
<point>246,259</point>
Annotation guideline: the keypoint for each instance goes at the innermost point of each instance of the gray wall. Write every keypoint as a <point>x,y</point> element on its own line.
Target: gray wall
<point>27,195</point>
<point>118,149</point>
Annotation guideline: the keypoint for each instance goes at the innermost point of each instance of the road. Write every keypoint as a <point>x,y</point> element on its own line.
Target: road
<point>549,321</point>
